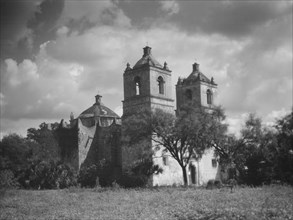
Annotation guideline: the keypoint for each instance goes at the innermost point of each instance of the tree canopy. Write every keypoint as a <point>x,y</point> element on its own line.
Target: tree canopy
<point>185,137</point>
<point>261,154</point>
<point>45,137</point>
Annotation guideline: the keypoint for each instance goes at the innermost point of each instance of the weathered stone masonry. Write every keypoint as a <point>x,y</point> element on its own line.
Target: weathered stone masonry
<point>95,134</point>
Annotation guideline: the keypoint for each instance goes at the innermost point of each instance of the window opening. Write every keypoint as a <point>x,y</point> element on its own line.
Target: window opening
<point>214,162</point>
<point>192,170</point>
<point>161,84</point>
<point>188,94</point>
<point>209,97</point>
<point>137,86</point>
<point>165,160</point>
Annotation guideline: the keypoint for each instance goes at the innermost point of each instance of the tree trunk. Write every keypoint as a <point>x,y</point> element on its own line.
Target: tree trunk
<point>184,176</point>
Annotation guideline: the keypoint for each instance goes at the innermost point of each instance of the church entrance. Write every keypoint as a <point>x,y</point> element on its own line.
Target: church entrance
<point>192,174</point>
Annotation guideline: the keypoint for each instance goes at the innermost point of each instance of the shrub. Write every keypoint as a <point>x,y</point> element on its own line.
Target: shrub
<point>128,180</point>
<point>145,167</point>
<point>138,174</point>
<point>47,175</point>
<point>87,176</point>
<point>212,184</point>
<point>7,179</point>
<point>65,177</point>
<point>106,174</point>
<point>96,174</point>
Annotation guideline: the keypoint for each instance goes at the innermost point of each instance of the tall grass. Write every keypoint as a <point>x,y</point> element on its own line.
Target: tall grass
<point>268,202</point>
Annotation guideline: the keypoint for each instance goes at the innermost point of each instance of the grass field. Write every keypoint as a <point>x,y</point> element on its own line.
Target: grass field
<point>268,202</point>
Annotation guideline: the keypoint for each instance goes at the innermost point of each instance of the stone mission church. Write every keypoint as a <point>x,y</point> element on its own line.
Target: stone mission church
<point>95,134</point>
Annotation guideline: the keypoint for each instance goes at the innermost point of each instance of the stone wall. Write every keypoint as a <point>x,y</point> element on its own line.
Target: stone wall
<point>86,136</point>
<point>173,175</point>
<point>172,172</point>
<point>181,95</point>
<point>98,143</point>
<point>154,85</point>
<point>206,170</point>
<point>203,94</point>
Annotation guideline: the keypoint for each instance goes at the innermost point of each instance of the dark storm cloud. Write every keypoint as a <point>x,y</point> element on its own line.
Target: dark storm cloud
<point>27,24</point>
<point>229,18</point>
<point>44,21</point>
<point>141,13</point>
<point>48,12</point>
<point>14,17</point>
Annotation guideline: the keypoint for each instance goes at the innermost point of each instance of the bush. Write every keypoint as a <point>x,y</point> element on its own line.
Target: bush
<point>101,174</point>
<point>145,167</point>
<point>130,181</point>
<point>212,184</point>
<point>138,173</point>
<point>7,179</point>
<point>47,175</point>
<point>87,176</point>
<point>65,177</point>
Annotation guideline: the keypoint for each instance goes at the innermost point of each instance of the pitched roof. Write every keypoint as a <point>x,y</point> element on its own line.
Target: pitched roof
<point>195,75</point>
<point>147,58</point>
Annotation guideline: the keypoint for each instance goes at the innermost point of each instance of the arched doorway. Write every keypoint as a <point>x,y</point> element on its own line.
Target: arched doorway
<point>192,174</point>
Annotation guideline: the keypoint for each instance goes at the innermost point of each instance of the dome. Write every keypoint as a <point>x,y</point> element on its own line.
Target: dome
<point>99,114</point>
<point>147,58</point>
<point>98,109</point>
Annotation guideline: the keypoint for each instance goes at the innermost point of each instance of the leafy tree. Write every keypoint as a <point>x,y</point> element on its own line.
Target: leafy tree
<point>185,137</point>
<point>100,174</point>
<point>46,138</point>
<point>284,153</point>
<point>15,152</point>
<point>20,161</point>
<point>247,152</point>
<point>253,154</point>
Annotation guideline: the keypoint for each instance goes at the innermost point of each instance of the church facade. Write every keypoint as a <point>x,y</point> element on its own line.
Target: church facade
<point>147,85</point>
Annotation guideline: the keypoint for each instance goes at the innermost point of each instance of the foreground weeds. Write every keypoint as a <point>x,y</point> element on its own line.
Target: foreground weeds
<point>272,202</point>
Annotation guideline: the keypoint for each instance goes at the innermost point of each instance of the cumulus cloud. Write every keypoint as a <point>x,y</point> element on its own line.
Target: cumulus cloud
<point>275,115</point>
<point>70,73</point>
<point>91,47</point>
<point>22,73</point>
<point>236,123</point>
<point>171,7</point>
<point>43,88</point>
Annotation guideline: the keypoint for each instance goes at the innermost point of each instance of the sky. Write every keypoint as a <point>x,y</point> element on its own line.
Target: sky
<point>57,55</point>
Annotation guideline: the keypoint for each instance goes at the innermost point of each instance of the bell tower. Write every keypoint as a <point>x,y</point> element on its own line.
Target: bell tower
<point>196,90</point>
<point>147,85</point>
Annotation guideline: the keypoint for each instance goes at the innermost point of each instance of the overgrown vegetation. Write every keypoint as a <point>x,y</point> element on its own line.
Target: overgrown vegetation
<point>34,162</point>
<point>185,136</point>
<point>100,174</point>
<point>261,155</point>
